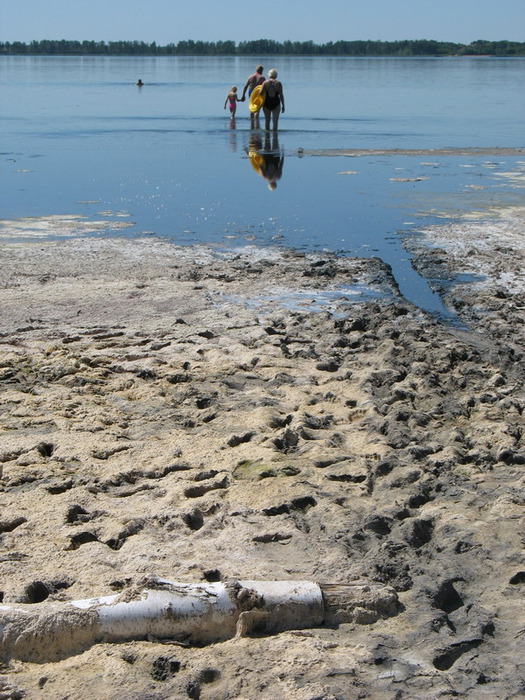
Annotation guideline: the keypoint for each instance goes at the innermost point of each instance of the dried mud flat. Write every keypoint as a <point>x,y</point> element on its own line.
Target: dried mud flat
<point>201,416</point>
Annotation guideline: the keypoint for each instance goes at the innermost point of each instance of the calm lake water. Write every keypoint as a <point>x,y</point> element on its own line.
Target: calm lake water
<point>78,137</point>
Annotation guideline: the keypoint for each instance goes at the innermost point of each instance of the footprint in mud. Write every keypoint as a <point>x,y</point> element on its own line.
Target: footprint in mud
<point>418,532</point>
<point>237,440</point>
<point>119,484</point>
<point>447,598</point>
<point>165,667</point>
<point>77,514</point>
<point>38,591</point>
<point>202,489</point>
<point>10,525</point>
<point>85,537</point>
<point>301,504</point>
<point>280,421</point>
<point>80,538</point>
<point>448,657</point>
<point>273,537</point>
<point>287,441</point>
<point>194,519</point>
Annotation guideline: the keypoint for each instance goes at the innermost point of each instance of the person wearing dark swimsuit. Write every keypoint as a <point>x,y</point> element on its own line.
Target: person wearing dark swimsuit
<point>272,91</point>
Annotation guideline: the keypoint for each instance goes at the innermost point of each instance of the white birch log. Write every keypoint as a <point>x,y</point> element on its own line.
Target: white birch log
<point>195,614</point>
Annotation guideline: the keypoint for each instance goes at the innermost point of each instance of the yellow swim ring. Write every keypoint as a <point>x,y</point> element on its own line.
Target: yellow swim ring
<point>256,101</point>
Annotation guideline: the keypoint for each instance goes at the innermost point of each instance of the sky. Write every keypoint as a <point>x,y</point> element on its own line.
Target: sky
<point>171,21</point>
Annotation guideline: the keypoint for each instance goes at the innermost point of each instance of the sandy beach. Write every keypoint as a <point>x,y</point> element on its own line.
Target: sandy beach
<point>198,415</point>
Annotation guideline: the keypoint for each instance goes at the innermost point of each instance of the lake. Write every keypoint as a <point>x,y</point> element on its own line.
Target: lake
<point>79,137</point>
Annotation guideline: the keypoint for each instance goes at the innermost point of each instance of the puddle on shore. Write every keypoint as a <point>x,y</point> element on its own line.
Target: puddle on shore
<point>335,301</point>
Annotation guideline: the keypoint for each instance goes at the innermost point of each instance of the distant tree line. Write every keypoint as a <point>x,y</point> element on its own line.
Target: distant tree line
<point>263,47</point>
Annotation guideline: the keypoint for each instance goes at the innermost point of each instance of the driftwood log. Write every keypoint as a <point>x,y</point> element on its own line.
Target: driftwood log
<point>193,614</point>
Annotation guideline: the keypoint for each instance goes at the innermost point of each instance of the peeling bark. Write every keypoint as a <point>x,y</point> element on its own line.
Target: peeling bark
<point>194,614</point>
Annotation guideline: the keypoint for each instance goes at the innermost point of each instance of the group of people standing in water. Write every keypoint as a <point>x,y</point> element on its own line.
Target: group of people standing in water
<point>272,96</point>
<point>271,93</point>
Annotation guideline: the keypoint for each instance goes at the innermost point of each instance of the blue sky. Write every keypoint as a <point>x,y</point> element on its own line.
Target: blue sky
<point>167,21</point>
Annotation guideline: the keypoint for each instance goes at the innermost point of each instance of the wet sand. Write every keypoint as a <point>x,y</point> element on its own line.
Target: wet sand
<point>413,152</point>
<point>201,416</point>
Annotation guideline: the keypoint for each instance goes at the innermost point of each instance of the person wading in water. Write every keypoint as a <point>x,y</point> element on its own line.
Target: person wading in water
<point>272,92</point>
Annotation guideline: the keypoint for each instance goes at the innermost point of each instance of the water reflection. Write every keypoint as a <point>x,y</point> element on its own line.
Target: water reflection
<point>77,131</point>
<point>267,160</point>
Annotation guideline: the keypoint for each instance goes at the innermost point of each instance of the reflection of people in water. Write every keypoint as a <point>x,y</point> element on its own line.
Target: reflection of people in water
<point>254,146</point>
<point>268,162</point>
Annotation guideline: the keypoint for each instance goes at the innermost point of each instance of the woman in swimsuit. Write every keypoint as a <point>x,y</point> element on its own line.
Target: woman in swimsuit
<point>272,91</point>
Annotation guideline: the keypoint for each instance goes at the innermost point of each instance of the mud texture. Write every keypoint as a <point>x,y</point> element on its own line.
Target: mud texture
<point>199,415</point>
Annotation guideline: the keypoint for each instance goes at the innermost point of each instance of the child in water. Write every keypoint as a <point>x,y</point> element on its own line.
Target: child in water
<point>232,98</point>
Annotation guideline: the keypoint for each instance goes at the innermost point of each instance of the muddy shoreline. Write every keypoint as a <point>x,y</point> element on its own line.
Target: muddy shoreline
<point>202,415</point>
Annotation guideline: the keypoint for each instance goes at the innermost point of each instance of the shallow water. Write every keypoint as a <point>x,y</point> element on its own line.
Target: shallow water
<point>81,138</point>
